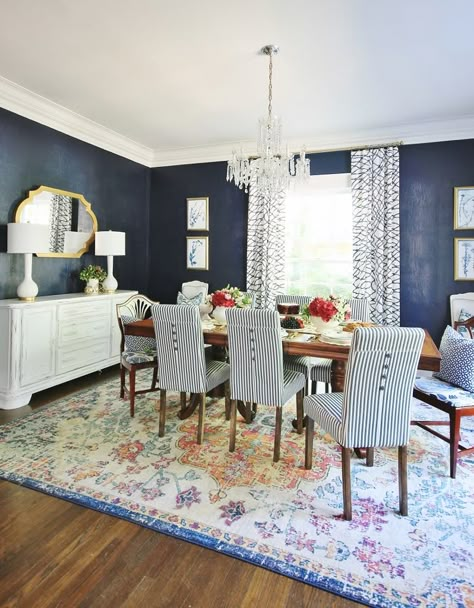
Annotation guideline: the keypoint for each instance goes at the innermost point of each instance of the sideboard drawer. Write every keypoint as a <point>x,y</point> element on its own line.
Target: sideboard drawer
<point>83,328</point>
<point>82,356</point>
<point>83,310</point>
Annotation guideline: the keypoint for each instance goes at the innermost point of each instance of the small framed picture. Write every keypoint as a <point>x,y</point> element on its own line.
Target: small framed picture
<point>198,213</point>
<point>464,259</point>
<point>197,253</point>
<point>464,208</point>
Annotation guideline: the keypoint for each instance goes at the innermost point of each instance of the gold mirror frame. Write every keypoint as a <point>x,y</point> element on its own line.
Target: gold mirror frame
<point>73,195</point>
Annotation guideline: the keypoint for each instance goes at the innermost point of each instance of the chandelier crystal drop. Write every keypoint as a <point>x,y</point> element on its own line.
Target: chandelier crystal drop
<point>272,170</point>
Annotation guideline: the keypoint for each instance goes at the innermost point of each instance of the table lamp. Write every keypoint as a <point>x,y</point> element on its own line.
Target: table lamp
<point>110,243</point>
<point>27,239</point>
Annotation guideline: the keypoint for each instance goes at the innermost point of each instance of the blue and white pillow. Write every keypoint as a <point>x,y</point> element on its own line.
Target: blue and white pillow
<point>457,360</point>
<point>194,301</point>
<point>138,344</point>
<point>464,316</point>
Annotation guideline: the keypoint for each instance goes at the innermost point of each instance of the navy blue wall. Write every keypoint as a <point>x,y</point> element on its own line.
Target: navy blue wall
<point>428,175</point>
<point>118,190</point>
<point>170,186</point>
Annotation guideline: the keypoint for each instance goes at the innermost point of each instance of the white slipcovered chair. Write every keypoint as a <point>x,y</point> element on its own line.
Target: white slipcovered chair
<point>193,289</point>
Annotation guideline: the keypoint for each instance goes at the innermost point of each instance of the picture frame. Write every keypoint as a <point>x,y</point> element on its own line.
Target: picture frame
<point>197,213</point>
<point>197,253</point>
<point>464,259</point>
<point>464,208</point>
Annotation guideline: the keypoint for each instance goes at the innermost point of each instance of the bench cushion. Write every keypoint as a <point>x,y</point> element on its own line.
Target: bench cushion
<point>443,391</point>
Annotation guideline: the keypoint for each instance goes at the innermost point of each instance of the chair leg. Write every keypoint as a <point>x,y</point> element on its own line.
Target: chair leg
<point>233,424</point>
<point>326,387</point>
<point>369,457</point>
<point>308,444</point>
<point>182,397</point>
<point>227,400</point>
<point>202,411</point>
<point>132,391</point>
<point>346,483</point>
<point>122,381</point>
<point>161,430</point>
<point>299,411</point>
<point>314,387</point>
<point>248,412</point>
<point>154,379</point>
<point>276,445</point>
<point>454,436</point>
<point>403,478</point>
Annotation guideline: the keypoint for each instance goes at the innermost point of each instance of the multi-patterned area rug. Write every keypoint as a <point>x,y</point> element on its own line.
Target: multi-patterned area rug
<point>88,450</point>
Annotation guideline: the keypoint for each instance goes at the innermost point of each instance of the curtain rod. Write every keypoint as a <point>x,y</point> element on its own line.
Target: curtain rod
<point>354,148</point>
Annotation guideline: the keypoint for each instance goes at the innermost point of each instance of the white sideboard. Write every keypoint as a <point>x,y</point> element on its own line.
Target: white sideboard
<point>55,339</point>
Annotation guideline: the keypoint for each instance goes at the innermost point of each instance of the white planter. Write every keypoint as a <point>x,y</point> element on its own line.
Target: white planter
<point>92,287</point>
<point>320,325</point>
<point>219,314</point>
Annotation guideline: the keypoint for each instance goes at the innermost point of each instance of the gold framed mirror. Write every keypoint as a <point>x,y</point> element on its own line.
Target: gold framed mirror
<point>72,223</point>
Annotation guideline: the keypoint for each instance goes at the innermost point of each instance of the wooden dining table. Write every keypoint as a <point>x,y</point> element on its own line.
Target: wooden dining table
<point>294,344</point>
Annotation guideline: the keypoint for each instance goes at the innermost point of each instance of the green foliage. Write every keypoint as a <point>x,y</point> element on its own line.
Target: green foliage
<point>93,272</point>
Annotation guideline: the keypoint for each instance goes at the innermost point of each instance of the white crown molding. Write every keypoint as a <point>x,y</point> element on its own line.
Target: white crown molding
<point>21,101</point>
<point>424,132</point>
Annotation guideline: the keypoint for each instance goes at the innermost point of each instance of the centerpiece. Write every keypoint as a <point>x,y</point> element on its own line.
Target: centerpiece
<point>326,313</point>
<point>92,275</point>
<point>228,297</point>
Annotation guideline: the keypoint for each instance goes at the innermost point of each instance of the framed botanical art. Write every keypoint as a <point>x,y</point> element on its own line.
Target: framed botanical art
<point>197,253</point>
<point>464,208</point>
<point>198,213</point>
<point>464,259</point>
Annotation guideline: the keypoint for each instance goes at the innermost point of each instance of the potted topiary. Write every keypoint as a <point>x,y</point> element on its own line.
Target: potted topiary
<point>92,275</point>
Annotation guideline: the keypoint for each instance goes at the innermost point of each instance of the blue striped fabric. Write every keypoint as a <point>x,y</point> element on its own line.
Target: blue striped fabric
<point>256,358</point>
<point>375,404</point>
<point>321,370</point>
<point>295,362</point>
<point>180,351</point>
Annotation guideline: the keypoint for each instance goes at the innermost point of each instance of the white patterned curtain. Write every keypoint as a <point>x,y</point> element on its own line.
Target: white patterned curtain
<point>376,232</point>
<point>265,246</point>
<point>60,221</point>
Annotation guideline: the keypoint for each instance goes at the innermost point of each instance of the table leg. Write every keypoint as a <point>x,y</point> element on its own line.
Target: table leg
<point>338,374</point>
<point>190,408</point>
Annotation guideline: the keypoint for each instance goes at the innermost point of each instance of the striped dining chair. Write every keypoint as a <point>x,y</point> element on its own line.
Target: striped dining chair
<point>297,363</point>
<point>321,368</point>
<point>182,365</point>
<point>374,409</point>
<point>256,368</point>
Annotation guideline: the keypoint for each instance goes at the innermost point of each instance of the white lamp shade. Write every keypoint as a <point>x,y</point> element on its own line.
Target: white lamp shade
<point>109,243</point>
<point>28,238</point>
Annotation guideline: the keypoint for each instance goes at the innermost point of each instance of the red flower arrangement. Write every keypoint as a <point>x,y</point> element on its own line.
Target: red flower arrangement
<point>222,298</point>
<point>330,308</point>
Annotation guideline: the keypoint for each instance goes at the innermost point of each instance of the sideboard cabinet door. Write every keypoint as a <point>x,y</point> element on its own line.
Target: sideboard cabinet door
<point>38,329</point>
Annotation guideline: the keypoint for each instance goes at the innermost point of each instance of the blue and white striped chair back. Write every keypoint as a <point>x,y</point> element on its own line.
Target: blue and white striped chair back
<point>360,310</point>
<point>179,348</point>
<point>256,355</point>
<point>301,300</point>
<point>378,386</point>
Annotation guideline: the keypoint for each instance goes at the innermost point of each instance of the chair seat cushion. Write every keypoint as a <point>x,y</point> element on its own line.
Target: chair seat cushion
<point>452,395</point>
<point>292,383</point>
<point>326,411</point>
<point>138,344</point>
<point>457,360</point>
<point>138,357</point>
<point>321,370</point>
<point>217,372</point>
<point>297,363</point>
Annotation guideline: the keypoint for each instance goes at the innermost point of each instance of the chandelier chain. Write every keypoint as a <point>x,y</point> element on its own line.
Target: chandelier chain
<point>270,87</point>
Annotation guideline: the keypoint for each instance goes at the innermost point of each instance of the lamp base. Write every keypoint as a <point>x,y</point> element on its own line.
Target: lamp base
<point>28,299</point>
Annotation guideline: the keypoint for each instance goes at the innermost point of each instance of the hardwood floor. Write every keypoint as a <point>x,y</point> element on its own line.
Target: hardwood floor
<point>55,553</point>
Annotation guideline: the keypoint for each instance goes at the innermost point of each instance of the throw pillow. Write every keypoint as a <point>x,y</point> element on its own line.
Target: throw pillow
<point>138,344</point>
<point>457,360</point>
<point>194,301</point>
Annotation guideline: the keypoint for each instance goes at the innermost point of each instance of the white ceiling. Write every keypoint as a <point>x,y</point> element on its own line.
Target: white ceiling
<point>170,82</point>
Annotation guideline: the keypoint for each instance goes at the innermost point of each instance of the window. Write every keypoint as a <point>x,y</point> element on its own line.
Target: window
<point>319,237</point>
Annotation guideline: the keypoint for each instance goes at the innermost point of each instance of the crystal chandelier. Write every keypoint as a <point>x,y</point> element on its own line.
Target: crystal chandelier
<point>272,170</point>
